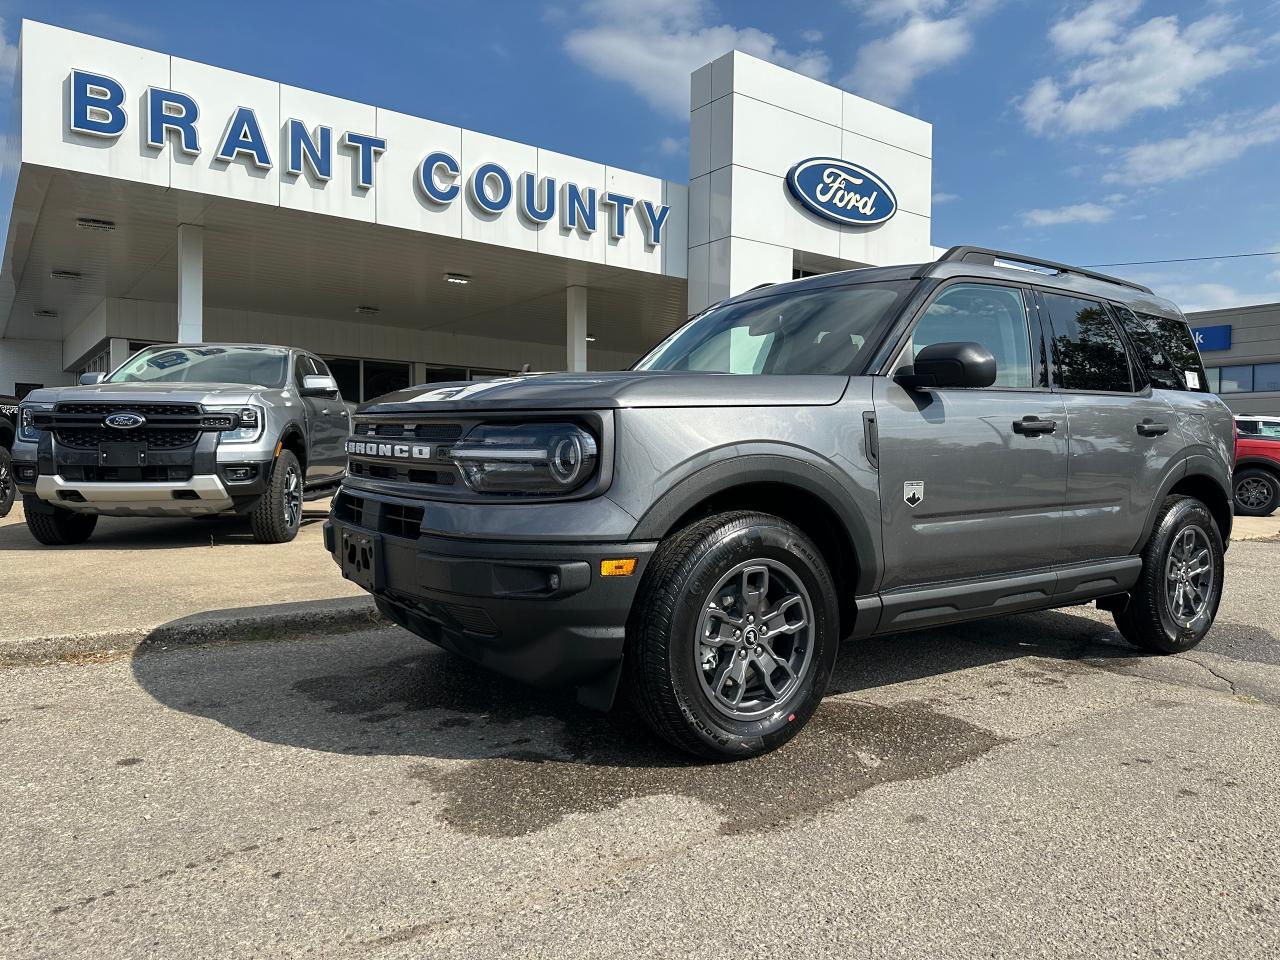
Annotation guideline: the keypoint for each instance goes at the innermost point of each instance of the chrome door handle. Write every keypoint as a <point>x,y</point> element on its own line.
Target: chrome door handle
<point>1149,428</point>
<point>1031,426</point>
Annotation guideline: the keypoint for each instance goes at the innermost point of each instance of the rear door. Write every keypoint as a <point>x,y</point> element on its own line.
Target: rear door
<point>972,481</point>
<point>1123,437</point>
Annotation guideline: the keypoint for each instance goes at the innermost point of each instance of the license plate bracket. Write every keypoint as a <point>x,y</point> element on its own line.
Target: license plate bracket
<point>122,455</point>
<point>360,556</point>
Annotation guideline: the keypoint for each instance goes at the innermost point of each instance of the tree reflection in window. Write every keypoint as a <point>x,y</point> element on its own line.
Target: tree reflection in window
<point>1091,355</point>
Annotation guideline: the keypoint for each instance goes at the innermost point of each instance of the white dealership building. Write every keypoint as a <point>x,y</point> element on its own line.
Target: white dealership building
<point>154,199</point>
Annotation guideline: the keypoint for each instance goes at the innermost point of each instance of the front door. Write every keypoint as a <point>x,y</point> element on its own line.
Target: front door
<point>972,481</point>
<point>326,425</point>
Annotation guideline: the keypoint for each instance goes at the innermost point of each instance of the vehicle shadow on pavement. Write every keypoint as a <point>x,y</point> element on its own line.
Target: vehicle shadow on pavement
<point>146,533</point>
<point>542,757</point>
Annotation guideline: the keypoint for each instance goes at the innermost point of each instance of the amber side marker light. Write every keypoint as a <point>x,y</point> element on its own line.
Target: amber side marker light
<point>624,567</point>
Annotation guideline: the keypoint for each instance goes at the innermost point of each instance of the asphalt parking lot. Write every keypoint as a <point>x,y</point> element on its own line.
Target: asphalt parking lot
<point>1026,787</point>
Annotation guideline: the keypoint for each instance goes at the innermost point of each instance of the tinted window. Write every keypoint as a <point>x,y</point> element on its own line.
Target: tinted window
<point>1091,355</point>
<point>347,373</point>
<point>995,317</point>
<point>383,377</point>
<point>806,331</point>
<point>260,366</point>
<point>1166,349</point>
<point>1236,379</point>
<point>1266,377</point>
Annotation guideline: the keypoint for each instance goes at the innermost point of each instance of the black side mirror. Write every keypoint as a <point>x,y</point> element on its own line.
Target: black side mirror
<point>950,365</point>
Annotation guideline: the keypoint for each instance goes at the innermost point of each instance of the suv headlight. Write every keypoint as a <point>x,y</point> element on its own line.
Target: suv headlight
<point>528,459</point>
<point>27,429</point>
<point>250,419</point>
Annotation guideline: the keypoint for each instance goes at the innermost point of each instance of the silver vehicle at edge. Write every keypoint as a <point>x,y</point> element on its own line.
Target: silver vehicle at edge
<point>183,430</point>
<point>858,453</point>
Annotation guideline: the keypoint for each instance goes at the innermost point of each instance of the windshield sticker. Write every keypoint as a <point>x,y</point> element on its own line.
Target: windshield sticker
<point>1193,380</point>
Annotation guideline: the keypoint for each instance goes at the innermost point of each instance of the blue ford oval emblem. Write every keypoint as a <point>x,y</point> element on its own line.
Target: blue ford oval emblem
<point>842,192</point>
<point>125,420</point>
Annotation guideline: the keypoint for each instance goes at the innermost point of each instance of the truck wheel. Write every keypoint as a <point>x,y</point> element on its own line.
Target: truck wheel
<point>278,514</point>
<point>61,527</point>
<point>7,489</point>
<point>1176,598</point>
<point>732,637</point>
<point>1257,492</point>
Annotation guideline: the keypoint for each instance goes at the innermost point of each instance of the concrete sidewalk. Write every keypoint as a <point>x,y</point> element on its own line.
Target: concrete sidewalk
<point>198,579</point>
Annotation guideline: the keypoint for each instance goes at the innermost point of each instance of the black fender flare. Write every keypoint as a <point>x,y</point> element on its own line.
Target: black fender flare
<point>791,469</point>
<point>1272,466</point>
<point>293,426</point>
<point>1195,465</point>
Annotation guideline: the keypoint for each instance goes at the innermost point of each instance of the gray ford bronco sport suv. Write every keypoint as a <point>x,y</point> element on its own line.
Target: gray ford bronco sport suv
<point>195,430</point>
<point>858,453</point>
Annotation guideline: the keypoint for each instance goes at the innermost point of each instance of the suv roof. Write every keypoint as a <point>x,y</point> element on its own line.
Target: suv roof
<point>968,261</point>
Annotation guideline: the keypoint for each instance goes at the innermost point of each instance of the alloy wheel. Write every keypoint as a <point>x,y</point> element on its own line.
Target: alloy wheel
<point>1189,576</point>
<point>755,639</point>
<point>1253,493</point>
<point>292,498</point>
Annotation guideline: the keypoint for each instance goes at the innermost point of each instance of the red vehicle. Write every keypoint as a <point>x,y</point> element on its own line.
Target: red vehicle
<point>1257,473</point>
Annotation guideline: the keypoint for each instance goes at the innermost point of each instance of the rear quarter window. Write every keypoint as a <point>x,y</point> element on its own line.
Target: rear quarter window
<point>1166,349</point>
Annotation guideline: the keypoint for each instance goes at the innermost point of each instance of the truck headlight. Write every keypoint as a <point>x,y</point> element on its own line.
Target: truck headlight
<point>250,420</point>
<point>526,459</point>
<point>27,429</point>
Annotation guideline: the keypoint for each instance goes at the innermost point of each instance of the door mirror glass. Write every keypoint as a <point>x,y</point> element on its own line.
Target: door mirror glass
<point>950,365</point>
<point>317,386</point>
<point>89,379</point>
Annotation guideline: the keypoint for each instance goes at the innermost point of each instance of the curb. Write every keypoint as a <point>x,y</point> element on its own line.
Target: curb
<point>246,624</point>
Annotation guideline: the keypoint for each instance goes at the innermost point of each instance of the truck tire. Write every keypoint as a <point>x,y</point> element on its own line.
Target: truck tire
<point>7,489</point>
<point>1176,598</point>
<point>1257,492</point>
<point>760,590</point>
<point>278,514</point>
<point>60,528</point>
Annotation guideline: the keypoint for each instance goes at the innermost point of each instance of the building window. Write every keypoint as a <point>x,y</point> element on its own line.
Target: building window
<point>347,373</point>
<point>1266,378</point>
<point>1236,379</point>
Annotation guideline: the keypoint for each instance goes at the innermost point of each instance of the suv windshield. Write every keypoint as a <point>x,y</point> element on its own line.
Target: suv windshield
<point>820,331</point>
<point>258,366</point>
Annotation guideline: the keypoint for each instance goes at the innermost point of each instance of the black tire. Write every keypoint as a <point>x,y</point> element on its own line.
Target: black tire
<point>1256,491</point>
<point>666,676</point>
<point>278,514</point>
<point>60,528</point>
<point>1149,620</point>
<point>7,490</point>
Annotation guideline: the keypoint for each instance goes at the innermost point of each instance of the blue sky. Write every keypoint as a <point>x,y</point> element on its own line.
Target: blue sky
<point>1091,132</point>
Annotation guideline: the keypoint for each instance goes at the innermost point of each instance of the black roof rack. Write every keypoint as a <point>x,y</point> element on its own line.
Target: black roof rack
<point>964,254</point>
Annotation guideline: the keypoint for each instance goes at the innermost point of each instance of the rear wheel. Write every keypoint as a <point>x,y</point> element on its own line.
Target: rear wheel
<point>733,636</point>
<point>1257,492</point>
<point>58,528</point>
<point>7,489</point>
<point>1176,598</point>
<point>278,514</point>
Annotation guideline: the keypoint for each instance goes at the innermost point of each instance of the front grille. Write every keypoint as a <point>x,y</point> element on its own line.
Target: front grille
<point>386,471</point>
<point>435,432</point>
<point>400,520</point>
<point>393,519</point>
<point>90,438</point>
<point>92,474</point>
<point>146,409</point>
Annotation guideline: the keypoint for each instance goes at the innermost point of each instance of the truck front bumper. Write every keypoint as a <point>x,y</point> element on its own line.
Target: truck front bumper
<point>538,612</point>
<point>198,495</point>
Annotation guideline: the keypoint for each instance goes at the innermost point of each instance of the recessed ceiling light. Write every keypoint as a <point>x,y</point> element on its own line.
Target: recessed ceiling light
<point>88,223</point>
<point>64,275</point>
<point>45,314</point>
<point>457,278</point>
<point>590,338</point>
<point>367,311</point>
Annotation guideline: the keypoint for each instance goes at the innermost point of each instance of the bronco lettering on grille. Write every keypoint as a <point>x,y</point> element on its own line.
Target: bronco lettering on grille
<point>391,451</point>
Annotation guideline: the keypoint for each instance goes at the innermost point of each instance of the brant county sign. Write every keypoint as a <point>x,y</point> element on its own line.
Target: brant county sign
<point>842,192</point>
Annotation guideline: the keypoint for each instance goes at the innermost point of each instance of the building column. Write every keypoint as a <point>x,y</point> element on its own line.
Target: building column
<point>190,283</point>
<point>118,352</point>
<point>576,328</point>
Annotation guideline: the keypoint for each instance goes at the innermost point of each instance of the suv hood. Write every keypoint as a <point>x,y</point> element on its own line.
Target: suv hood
<point>629,388</point>
<point>211,393</point>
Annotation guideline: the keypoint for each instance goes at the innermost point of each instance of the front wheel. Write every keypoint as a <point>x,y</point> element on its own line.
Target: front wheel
<point>7,489</point>
<point>1257,492</point>
<point>1176,598</point>
<point>733,636</point>
<point>278,514</point>
<point>57,527</point>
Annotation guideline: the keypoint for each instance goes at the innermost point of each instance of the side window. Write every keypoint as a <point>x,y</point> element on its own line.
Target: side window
<point>301,368</point>
<point>1091,355</point>
<point>993,316</point>
<point>1167,350</point>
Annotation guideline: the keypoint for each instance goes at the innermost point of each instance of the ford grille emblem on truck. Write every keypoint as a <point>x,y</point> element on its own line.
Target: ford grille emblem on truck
<point>392,451</point>
<point>125,420</point>
<point>842,192</point>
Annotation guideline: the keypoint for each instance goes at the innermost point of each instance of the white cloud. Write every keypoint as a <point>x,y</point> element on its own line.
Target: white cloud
<point>1075,213</point>
<point>671,146</point>
<point>653,45</point>
<point>811,36</point>
<point>1201,148</point>
<point>930,35</point>
<point>941,196</point>
<point>8,54</point>
<point>1121,69</point>
<point>1192,294</point>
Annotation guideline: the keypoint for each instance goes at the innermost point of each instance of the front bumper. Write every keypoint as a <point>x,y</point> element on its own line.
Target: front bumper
<point>198,495</point>
<point>538,612</point>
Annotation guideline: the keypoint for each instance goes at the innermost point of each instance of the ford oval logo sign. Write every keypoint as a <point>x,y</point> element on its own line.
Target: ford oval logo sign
<point>125,420</point>
<point>842,192</point>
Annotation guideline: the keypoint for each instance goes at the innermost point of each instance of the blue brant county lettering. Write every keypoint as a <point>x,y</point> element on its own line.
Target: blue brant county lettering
<point>172,119</point>
<point>842,192</point>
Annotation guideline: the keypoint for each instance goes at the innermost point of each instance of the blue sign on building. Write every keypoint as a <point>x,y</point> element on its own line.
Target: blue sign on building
<point>1212,338</point>
<point>841,192</point>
